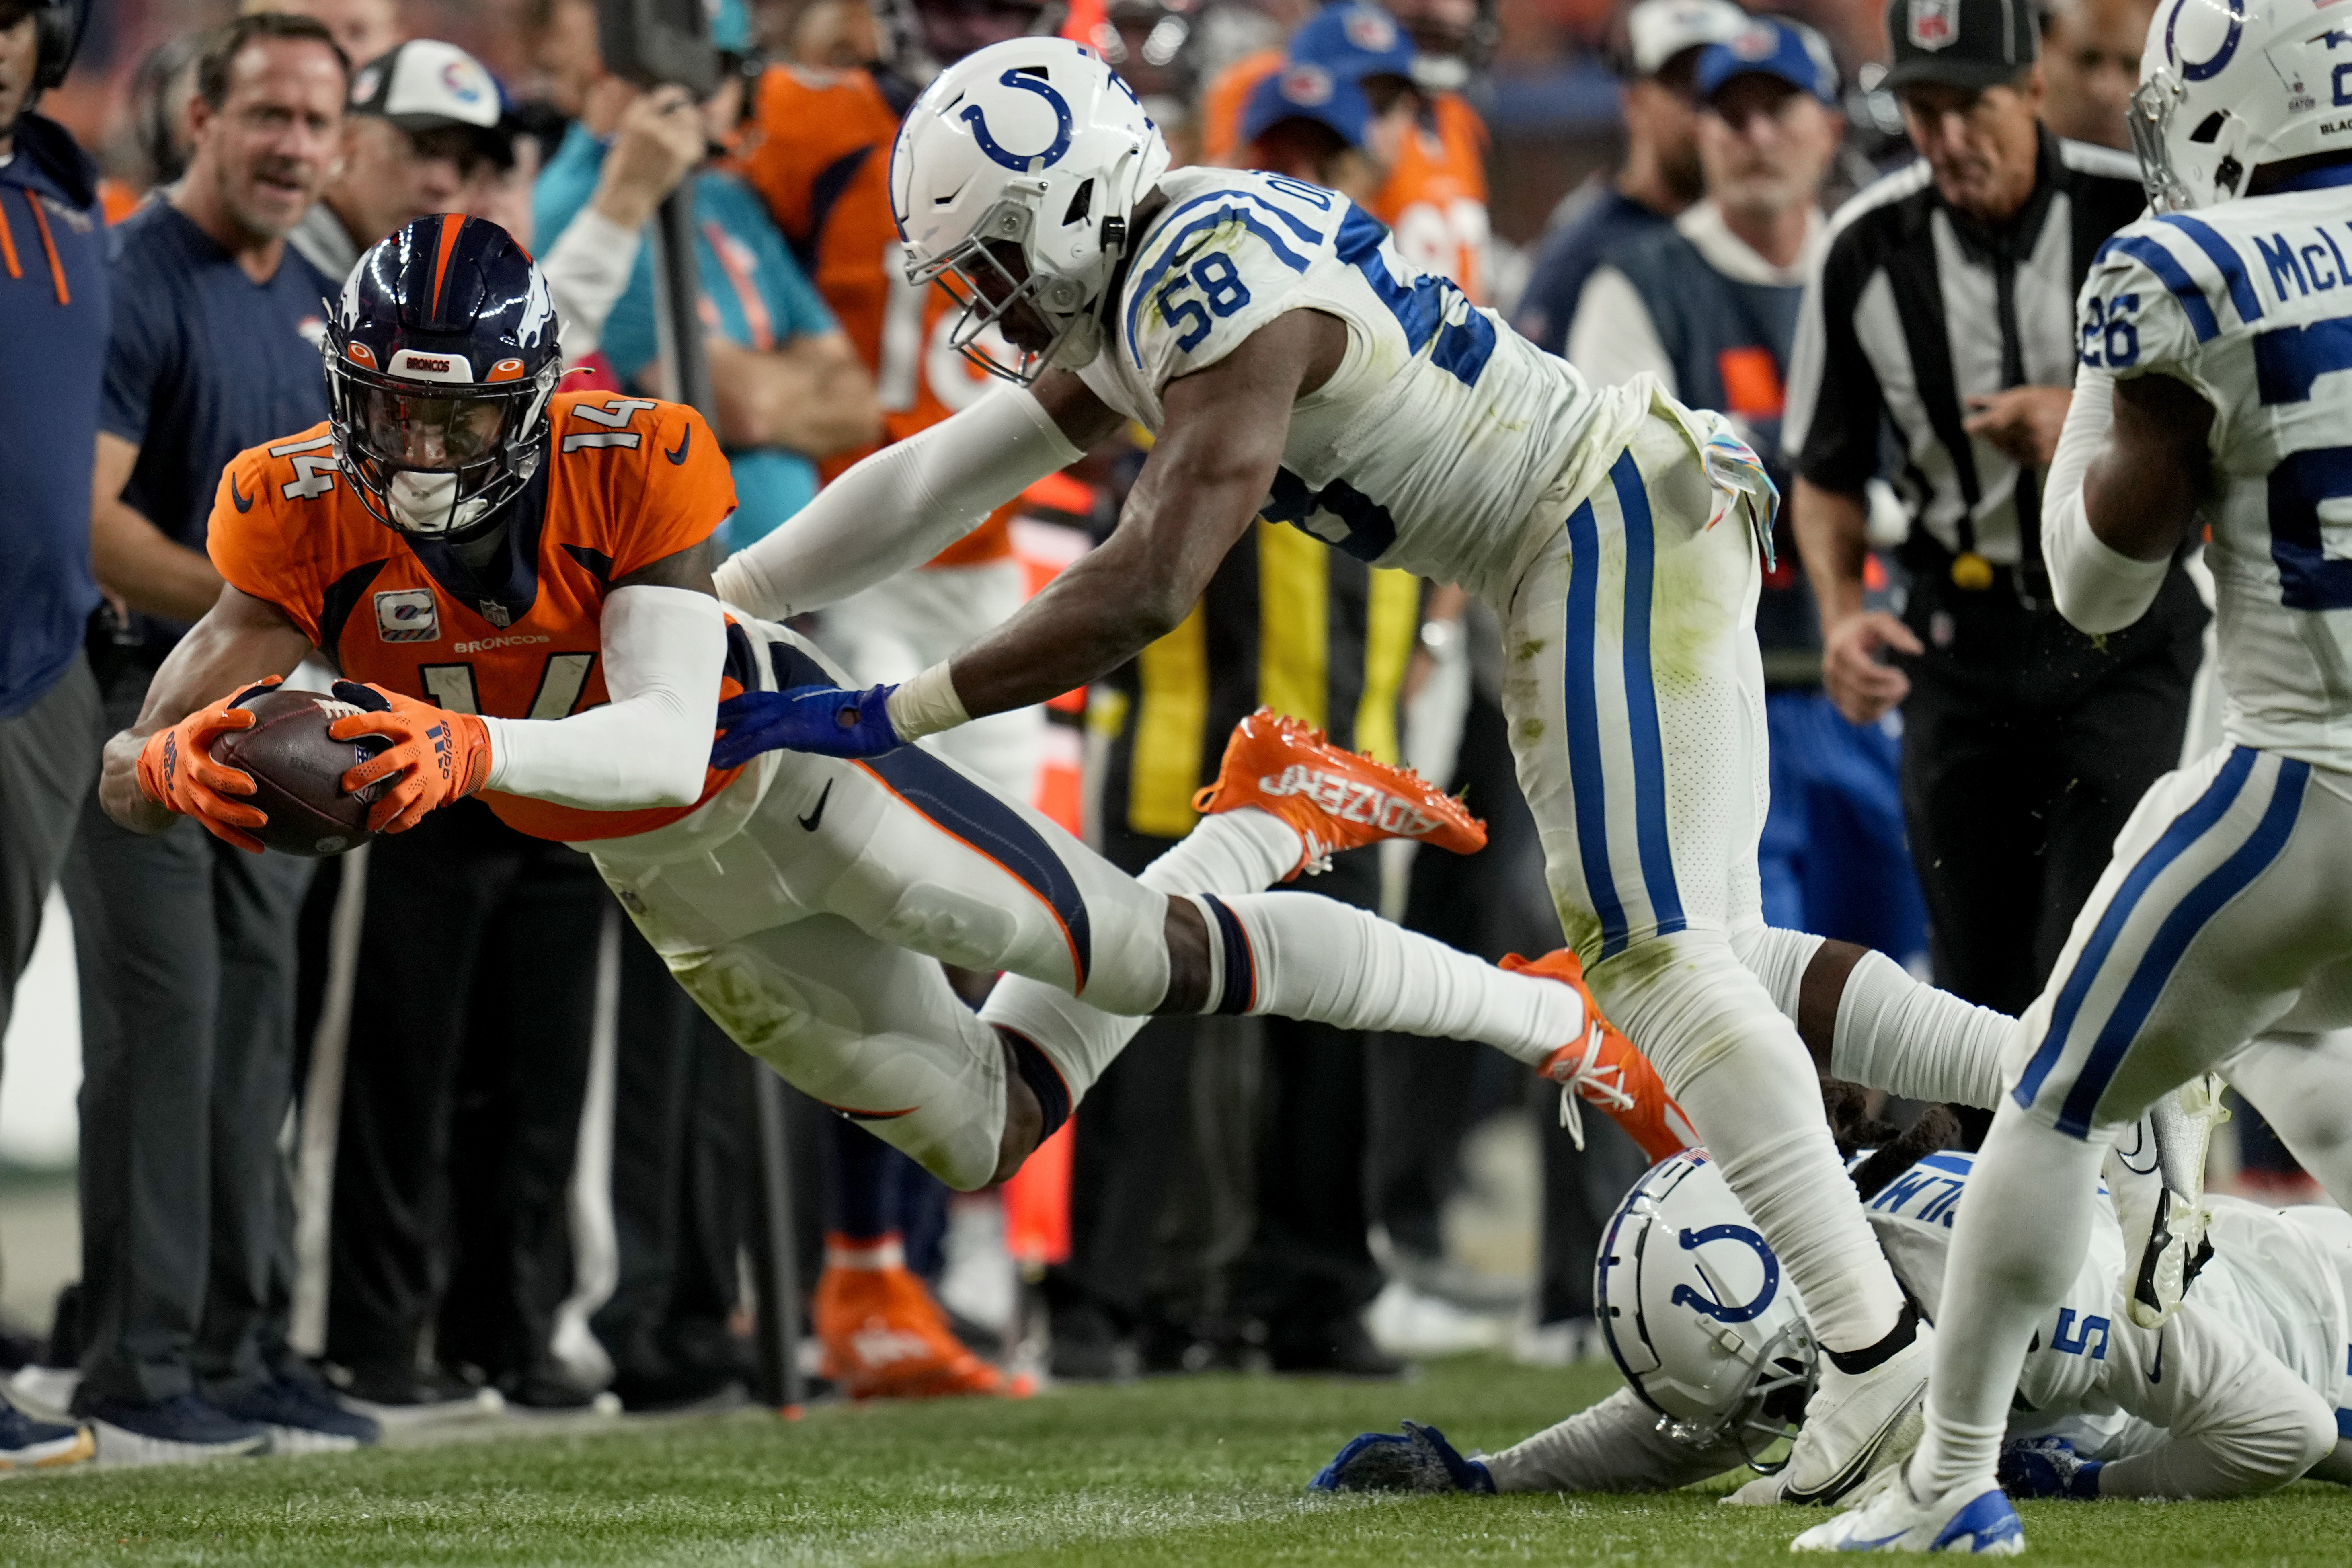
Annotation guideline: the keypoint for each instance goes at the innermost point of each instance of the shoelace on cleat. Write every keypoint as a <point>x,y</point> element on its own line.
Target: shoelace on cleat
<point>1604,1086</point>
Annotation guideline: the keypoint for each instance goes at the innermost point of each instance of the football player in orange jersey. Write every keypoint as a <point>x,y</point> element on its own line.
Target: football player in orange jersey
<point>514,582</point>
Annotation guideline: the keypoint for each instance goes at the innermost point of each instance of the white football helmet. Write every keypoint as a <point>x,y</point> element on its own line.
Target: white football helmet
<point>1037,146</point>
<point>2229,86</point>
<point>1697,1314</point>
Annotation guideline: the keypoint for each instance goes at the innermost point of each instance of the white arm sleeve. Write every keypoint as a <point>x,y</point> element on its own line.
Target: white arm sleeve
<point>1612,339</point>
<point>664,649</point>
<point>2098,588</point>
<point>1613,1446</point>
<point>2236,1420</point>
<point>899,506</point>
<point>586,272</point>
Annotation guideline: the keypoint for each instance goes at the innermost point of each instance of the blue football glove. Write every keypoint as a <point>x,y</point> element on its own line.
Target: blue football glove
<point>1418,1459</point>
<point>827,720</point>
<point>2047,1467</point>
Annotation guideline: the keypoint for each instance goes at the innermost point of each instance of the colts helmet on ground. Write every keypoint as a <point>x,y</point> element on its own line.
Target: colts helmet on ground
<point>441,356</point>
<point>2227,87</point>
<point>1696,1310</point>
<point>1036,146</point>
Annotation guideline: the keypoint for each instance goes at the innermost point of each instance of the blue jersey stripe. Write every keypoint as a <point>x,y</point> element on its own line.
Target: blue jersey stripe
<point>1585,778</point>
<point>1297,227</point>
<point>2175,277</point>
<point>1642,700</point>
<point>2188,917</point>
<point>1142,291</point>
<point>2219,252</point>
<point>2187,828</point>
<point>969,811</point>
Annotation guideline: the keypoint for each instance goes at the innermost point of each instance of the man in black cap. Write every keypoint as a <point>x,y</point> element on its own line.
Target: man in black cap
<point>1944,309</point>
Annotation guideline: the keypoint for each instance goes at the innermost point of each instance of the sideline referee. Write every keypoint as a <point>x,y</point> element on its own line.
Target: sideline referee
<point>1943,311</point>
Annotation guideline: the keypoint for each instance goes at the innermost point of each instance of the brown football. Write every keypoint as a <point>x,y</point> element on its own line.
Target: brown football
<point>298,772</point>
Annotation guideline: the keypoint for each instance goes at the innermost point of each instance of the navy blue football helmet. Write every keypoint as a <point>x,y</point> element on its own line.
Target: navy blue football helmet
<point>441,356</point>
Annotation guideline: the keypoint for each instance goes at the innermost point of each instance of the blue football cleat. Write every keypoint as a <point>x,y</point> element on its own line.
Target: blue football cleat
<point>1418,1459</point>
<point>1974,1518</point>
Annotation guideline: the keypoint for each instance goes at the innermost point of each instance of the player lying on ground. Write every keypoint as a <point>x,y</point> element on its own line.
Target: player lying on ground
<point>2209,404</point>
<point>519,576</point>
<point>1292,365</point>
<point>2236,1395</point>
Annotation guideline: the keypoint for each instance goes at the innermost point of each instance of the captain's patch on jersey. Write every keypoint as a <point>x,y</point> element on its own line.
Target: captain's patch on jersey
<point>406,614</point>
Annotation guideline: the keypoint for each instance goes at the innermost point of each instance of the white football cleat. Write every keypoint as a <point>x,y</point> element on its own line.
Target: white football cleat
<point>2160,1198</point>
<point>1859,1424</point>
<point>1974,1518</point>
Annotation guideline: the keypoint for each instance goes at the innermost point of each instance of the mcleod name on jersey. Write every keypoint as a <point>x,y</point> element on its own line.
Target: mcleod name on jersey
<point>2251,304</point>
<point>1429,446</point>
<point>623,482</point>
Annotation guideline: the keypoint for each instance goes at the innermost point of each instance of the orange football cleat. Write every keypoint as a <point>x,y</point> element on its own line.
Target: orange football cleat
<point>1335,799</point>
<point>1606,1070</point>
<point>884,1338</point>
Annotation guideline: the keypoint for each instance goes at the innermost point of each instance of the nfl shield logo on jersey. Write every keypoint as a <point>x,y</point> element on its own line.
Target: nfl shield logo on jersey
<point>406,614</point>
<point>1932,24</point>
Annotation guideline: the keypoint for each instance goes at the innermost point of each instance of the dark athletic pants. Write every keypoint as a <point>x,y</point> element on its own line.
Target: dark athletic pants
<point>2025,748</point>
<point>185,947</point>
<point>684,1175</point>
<point>48,760</point>
<point>463,1076</point>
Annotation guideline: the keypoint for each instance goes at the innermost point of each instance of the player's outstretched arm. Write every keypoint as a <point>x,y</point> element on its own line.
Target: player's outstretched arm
<point>1202,487</point>
<point>664,642</point>
<point>910,500</point>
<point>239,641</point>
<point>1203,483</point>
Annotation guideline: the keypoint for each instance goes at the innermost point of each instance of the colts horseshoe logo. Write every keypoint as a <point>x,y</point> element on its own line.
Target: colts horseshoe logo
<point>2205,70</point>
<point>1024,162</point>
<point>1723,1311</point>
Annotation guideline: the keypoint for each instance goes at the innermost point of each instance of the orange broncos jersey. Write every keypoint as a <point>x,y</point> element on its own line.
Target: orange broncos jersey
<point>1435,198</point>
<point>821,160</point>
<point>626,481</point>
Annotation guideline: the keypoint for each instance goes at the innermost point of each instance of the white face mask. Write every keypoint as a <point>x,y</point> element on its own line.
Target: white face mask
<point>420,502</point>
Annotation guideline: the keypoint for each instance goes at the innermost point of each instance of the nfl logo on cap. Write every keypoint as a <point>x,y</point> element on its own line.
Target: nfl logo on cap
<point>1932,25</point>
<point>1309,85</point>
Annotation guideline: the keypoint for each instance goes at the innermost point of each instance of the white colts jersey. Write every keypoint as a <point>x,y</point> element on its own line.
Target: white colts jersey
<point>1429,447</point>
<point>2251,303</point>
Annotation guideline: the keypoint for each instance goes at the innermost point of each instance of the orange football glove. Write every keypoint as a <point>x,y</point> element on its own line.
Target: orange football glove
<point>176,770</point>
<point>440,755</point>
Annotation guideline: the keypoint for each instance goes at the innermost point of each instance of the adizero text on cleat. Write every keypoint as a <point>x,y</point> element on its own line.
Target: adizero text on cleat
<point>1335,799</point>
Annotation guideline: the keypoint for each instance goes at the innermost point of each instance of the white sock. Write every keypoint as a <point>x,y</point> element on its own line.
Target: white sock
<point>1737,1068</point>
<point>1230,852</point>
<point>1300,956</point>
<point>1907,1037</point>
<point>2017,1243</point>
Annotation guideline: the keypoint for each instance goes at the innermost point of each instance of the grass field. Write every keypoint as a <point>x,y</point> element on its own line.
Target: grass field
<point>1192,1473</point>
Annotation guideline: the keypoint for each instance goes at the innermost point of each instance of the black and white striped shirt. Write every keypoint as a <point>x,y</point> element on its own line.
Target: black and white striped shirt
<point>1913,307</point>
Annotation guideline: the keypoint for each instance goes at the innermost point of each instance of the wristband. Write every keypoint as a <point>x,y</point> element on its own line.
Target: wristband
<point>927,705</point>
